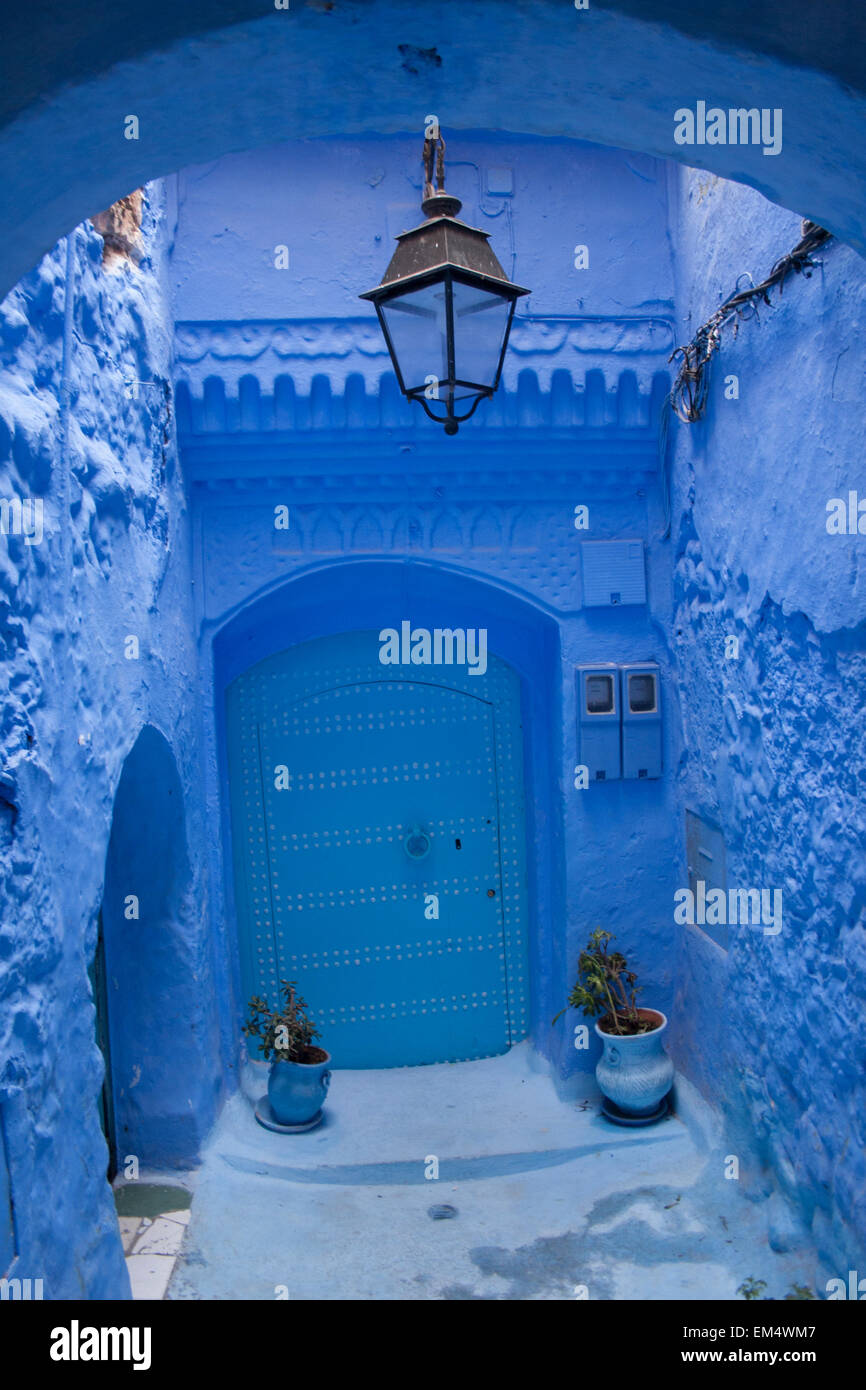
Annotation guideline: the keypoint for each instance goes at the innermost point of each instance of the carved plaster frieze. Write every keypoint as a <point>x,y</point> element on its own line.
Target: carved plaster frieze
<point>342,347</point>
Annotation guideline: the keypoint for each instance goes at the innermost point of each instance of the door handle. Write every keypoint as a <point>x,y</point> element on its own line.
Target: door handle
<point>416,842</point>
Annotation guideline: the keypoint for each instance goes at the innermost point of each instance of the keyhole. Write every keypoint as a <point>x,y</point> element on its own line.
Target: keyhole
<point>491,892</point>
<point>457,843</point>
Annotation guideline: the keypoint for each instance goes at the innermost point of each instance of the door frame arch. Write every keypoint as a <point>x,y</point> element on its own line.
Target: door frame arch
<point>366,594</point>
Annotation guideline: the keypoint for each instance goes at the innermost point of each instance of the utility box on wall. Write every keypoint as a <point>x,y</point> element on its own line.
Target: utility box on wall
<point>599,717</point>
<point>613,573</point>
<point>706,860</point>
<point>641,721</point>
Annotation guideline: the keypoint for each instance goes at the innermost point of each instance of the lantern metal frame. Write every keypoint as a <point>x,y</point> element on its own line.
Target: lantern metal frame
<point>445,251</point>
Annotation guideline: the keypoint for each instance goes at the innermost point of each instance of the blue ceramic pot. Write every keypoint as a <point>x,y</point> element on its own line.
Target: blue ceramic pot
<point>297,1090</point>
<point>635,1072</point>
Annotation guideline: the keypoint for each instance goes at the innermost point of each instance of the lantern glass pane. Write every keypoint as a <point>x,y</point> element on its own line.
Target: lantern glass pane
<point>416,324</point>
<point>480,324</point>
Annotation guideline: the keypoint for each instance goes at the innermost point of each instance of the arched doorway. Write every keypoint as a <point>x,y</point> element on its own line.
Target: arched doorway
<point>144,994</point>
<point>379,845</point>
<point>523,645</point>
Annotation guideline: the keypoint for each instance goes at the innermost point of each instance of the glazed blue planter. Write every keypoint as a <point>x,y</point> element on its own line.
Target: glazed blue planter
<point>297,1090</point>
<point>635,1072</point>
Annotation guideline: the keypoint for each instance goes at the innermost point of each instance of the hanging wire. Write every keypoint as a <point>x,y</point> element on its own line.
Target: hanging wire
<point>664,469</point>
<point>688,397</point>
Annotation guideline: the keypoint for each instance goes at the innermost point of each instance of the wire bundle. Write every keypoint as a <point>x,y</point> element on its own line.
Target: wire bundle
<point>689,392</point>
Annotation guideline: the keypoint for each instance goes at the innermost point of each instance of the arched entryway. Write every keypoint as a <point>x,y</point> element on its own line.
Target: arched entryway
<point>141,975</point>
<point>326,621</point>
<point>379,842</point>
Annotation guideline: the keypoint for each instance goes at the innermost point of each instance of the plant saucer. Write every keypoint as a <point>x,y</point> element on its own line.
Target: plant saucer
<point>619,1117</point>
<point>265,1117</point>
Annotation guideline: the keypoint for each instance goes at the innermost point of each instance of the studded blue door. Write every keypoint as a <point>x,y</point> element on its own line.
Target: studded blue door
<point>378,839</point>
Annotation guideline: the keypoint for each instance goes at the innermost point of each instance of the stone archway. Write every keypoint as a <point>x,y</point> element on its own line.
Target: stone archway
<point>538,68</point>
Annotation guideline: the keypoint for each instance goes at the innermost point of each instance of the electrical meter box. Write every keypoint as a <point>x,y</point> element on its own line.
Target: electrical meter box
<point>613,573</point>
<point>705,856</point>
<point>641,721</point>
<point>598,715</point>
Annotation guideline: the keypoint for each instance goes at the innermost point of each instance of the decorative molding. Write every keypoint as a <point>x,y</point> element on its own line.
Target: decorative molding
<point>244,418</point>
<point>566,429</point>
<point>465,486</point>
<point>484,530</point>
<point>527,546</point>
<point>338,348</point>
<point>216,343</point>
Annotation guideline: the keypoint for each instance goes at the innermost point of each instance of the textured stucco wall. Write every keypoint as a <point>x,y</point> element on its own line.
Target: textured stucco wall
<point>113,562</point>
<point>775,741</point>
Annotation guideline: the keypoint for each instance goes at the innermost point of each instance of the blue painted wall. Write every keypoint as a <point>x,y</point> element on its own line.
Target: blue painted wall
<point>98,451</point>
<point>337,205</point>
<point>774,740</point>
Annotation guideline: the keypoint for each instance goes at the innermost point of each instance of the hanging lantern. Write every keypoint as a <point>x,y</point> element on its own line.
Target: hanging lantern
<point>445,306</point>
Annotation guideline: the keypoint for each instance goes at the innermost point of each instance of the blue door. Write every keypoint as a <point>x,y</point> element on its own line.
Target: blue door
<point>378,844</point>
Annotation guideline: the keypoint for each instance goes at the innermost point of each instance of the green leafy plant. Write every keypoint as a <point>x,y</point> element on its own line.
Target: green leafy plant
<point>605,985</point>
<point>752,1288</point>
<point>285,1033</point>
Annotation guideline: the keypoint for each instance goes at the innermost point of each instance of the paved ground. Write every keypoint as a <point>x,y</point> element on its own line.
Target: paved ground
<point>152,1218</point>
<point>550,1200</point>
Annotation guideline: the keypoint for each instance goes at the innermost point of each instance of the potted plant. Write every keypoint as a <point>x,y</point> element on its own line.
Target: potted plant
<point>299,1077</point>
<point>634,1072</point>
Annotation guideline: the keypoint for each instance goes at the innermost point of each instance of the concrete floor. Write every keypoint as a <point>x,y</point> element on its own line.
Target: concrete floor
<point>551,1201</point>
